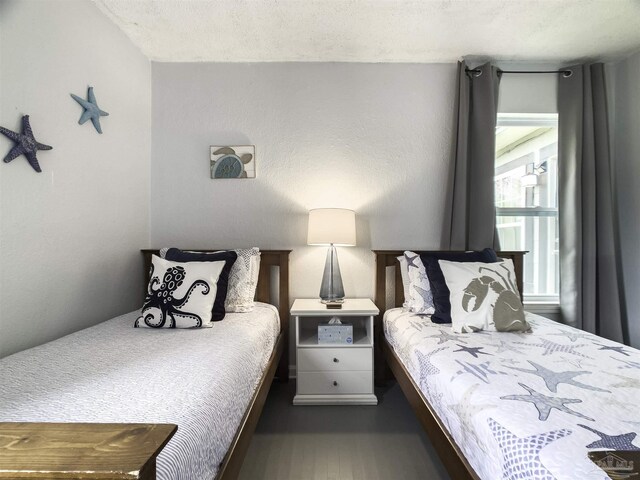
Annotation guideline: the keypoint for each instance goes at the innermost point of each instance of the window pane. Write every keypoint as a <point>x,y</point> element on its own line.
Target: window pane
<point>526,177</point>
<point>537,235</point>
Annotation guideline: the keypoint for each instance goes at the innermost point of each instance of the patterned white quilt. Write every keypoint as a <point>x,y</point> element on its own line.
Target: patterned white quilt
<point>202,380</point>
<point>524,406</point>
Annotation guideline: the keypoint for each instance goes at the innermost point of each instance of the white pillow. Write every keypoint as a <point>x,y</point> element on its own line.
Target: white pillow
<point>406,284</point>
<point>421,298</point>
<point>180,295</point>
<point>243,280</point>
<point>484,296</point>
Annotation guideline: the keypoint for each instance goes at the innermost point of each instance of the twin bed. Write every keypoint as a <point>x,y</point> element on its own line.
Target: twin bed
<point>511,405</point>
<point>211,382</point>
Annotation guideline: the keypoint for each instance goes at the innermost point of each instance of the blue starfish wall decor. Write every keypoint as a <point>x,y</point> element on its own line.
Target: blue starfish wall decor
<point>91,110</point>
<point>26,144</point>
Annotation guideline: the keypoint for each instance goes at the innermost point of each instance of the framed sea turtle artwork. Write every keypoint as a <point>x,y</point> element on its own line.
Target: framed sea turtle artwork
<point>233,161</point>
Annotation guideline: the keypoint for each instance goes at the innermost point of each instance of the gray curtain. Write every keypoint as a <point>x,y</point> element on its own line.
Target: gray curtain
<point>471,220</point>
<point>591,294</point>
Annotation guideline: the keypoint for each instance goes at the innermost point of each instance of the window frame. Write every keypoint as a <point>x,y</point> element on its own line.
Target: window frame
<point>529,120</point>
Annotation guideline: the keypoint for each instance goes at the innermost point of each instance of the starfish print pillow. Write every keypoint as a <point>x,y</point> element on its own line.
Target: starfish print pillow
<point>406,284</point>
<point>180,295</point>
<point>420,297</point>
<point>484,296</point>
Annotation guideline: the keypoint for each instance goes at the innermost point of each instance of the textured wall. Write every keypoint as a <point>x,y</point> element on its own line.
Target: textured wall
<point>371,137</point>
<point>624,81</point>
<point>69,237</point>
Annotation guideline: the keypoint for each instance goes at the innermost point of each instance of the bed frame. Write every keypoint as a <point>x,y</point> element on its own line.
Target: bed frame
<point>449,452</point>
<point>278,365</point>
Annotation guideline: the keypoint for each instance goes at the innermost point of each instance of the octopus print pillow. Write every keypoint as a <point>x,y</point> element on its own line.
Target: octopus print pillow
<point>484,296</point>
<point>180,295</point>
<point>243,273</point>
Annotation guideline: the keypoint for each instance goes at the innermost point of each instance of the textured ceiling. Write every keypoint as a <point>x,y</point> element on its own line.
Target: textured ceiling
<point>377,30</point>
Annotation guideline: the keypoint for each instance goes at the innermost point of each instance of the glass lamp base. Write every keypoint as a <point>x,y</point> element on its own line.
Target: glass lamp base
<point>331,289</point>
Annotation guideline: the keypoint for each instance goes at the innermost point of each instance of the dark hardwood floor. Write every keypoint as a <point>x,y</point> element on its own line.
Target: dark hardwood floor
<point>384,442</point>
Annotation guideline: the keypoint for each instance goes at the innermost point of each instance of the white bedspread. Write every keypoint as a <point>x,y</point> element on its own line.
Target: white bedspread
<point>524,406</point>
<point>202,380</point>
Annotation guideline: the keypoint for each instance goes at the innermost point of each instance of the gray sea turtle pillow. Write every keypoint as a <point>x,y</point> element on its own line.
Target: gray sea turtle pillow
<point>484,296</point>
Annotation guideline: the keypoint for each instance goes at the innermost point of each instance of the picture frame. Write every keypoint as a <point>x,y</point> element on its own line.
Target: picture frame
<point>232,161</point>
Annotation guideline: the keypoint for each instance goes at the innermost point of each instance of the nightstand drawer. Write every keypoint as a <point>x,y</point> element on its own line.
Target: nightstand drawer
<point>335,383</point>
<point>334,359</point>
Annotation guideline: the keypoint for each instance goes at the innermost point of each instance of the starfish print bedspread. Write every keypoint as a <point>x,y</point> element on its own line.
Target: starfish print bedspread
<point>524,405</point>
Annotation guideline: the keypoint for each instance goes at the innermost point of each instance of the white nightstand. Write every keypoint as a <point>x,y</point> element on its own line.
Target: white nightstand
<point>334,373</point>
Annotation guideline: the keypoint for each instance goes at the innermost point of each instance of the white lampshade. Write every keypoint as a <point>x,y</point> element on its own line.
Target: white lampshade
<point>332,226</point>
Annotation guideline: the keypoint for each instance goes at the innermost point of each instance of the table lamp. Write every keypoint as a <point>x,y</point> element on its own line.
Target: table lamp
<point>332,227</point>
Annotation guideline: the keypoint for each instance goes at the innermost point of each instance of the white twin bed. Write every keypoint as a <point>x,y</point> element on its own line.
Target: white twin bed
<point>210,382</point>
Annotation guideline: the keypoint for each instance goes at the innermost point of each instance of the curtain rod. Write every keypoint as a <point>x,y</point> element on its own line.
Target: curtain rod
<point>476,72</point>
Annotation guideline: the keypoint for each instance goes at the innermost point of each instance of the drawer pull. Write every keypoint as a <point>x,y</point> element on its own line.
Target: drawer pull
<point>335,384</point>
<point>335,360</point>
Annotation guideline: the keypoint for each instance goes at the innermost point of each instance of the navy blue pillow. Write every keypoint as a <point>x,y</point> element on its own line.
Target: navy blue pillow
<point>439,288</point>
<point>177,255</point>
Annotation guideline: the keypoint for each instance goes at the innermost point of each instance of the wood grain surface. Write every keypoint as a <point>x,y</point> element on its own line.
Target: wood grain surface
<point>340,442</point>
<point>81,450</point>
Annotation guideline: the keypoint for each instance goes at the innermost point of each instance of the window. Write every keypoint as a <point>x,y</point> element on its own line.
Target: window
<point>526,194</point>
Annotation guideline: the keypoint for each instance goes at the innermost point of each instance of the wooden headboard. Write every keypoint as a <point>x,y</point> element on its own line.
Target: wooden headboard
<point>388,258</point>
<point>268,259</point>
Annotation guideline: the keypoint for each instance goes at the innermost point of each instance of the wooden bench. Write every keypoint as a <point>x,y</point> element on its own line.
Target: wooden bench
<point>104,451</point>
